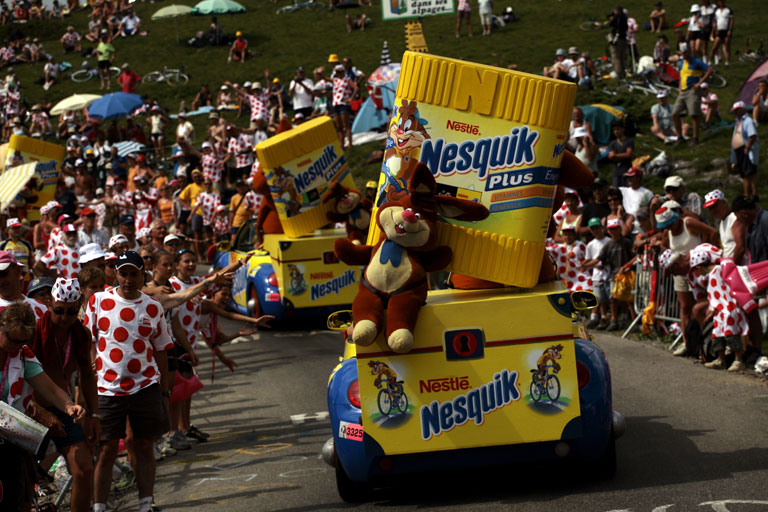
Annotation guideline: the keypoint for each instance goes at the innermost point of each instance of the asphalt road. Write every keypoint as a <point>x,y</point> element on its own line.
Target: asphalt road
<point>695,441</point>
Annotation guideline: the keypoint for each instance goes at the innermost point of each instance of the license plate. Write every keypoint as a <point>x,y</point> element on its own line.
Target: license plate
<point>351,431</point>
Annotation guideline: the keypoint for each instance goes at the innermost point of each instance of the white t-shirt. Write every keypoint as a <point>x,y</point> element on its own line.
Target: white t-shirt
<point>573,71</point>
<point>64,259</point>
<point>599,273</point>
<point>52,68</point>
<point>130,22</point>
<point>723,17</point>
<point>126,333</point>
<point>302,96</point>
<point>37,307</point>
<point>634,200</point>
<point>726,236</point>
<point>185,130</point>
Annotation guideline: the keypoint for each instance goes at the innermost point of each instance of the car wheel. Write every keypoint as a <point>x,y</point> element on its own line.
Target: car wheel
<point>349,490</point>
<point>254,306</point>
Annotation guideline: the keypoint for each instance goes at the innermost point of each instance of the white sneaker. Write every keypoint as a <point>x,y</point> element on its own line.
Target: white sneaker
<point>737,366</point>
<point>165,447</point>
<point>717,364</point>
<point>158,454</point>
<point>680,351</point>
<point>177,441</point>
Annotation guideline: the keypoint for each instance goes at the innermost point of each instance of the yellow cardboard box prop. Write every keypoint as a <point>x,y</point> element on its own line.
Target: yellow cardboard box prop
<point>487,134</point>
<point>25,150</point>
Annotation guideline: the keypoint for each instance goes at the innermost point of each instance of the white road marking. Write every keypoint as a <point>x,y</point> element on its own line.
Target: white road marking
<point>298,419</point>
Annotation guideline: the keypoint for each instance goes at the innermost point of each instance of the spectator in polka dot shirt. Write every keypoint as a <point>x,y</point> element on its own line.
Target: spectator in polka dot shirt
<point>208,201</point>
<point>132,338</point>
<point>213,167</point>
<point>62,260</point>
<point>11,283</point>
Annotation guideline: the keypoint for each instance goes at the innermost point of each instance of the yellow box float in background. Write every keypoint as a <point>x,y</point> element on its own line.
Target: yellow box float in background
<point>308,272</point>
<point>487,134</point>
<point>299,165</point>
<point>468,381</point>
<point>47,157</point>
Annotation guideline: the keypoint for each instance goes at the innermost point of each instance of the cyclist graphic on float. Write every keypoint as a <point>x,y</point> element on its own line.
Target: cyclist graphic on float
<point>544,382</point>
<point>392,397</point>
<point>298,285</point>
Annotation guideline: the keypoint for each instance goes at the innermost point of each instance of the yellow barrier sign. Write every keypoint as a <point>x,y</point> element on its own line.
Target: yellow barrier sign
<point>487,380</point>
<point>414,37</point>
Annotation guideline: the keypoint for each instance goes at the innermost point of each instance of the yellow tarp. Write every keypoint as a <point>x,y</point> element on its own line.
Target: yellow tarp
<point>12,181</point>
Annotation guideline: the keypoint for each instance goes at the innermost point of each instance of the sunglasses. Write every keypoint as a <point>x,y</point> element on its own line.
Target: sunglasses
<point>19,342</point>
<point>67,311</point>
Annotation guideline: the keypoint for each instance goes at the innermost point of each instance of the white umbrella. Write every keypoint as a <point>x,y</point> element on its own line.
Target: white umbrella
<point>74,102</point>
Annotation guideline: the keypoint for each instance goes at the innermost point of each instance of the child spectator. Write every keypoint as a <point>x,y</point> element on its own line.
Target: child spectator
<point>614,255</point>
<point>569,257</point>
<point>730,322</point>
<point>221,226</point>
<point>710,108</point>
<point>658,18</point>
<point>599,274</point>
<point>463,12</point>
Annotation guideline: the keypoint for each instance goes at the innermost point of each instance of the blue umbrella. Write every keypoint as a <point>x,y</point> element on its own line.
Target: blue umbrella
<point>114,105</point>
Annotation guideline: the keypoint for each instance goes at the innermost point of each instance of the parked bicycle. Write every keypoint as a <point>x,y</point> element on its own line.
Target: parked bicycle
<point>312,5</point>
<point>87,72</point>
<point>172,77</point>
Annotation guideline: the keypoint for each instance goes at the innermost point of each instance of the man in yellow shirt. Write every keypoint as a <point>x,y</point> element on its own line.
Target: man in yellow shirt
<point>188,201</point>
<point>243,205</point>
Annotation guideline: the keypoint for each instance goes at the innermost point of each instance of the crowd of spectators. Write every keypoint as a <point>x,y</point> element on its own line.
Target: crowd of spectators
<point>603,233</point>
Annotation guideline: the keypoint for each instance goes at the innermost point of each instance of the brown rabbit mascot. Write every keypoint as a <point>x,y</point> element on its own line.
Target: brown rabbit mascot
<point>395,278</point>
<point>351,208</point>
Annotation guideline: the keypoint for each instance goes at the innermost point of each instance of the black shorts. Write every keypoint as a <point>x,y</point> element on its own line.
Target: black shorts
<point>207,229</point>
<point>745,167</point>
<point>183,216</point>
<point>145,410</point>
<point>337,110</point>
<point>175,361</point>
<point>196,222</point>
<point>75,433</point>
<point>104,64</point>
<point>722,34</point>
<point>243,172</point>
<point>156,136</point>
<point>306,112</point>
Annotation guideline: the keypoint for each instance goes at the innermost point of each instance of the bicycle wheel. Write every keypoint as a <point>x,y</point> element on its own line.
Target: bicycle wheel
<point>717,81</point>
<point>175,79</point>
<point>535,391</point>
<point>553,388</point>
<point>385,402</point>
<point>82,75</point>
<point>402,402</point>
<point>590,26</point>
<point>114,72</point>
<point>153,77</point>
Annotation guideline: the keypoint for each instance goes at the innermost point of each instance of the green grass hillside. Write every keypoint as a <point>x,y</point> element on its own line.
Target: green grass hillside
<point>306,38</point>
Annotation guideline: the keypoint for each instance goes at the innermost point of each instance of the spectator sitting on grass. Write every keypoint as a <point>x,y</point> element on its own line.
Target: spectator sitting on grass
<point>55,12</point>
<point>661,50</point>
<point>560,67</point>
<point>71,41</point>
<point>239,48</point>
<point>129,25</point>
<point>760,102</point>
<point>658,18</point>
<point>50,73</point>
<point>358,22</point>
<point>663,124</point>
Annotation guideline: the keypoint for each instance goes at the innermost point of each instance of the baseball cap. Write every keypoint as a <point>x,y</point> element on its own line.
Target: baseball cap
<point>247,85</point>
<point>613,223</point>
<point>704,253</point>
<point>661,94</point>
<point>66,290</point>
<point>131,258</point>
<point>338,67</point>
<point>144,232</point>
<point>711,198</point>
<point>594,221</point>
<point>256,85</point>
<point>739,104</point>
<point>704,85</point>
<point>40,283</point>
<point>666,216</point>
<point>79,162</point>
<point>634,171</point>
<point>559,52</point>
<point>69,228</point>
<point>573,50</point>
<point>88,210</point>
<point>127,220</point>
<point>99,191</point>
<point>371,184</point>
<point>695,8</point>
<point>221,208</point>
<point>171,238</point>
<point>90,252</point>
<point>300,69</point>
<point>672,204</point>
<point>568,227</point>
<point>13,223</point>
<point>674,181</point>
<point>195,171</point>
<point>333,58</point>
<point>141,158</point>
<point>6,260</point>
<point>206,144</point>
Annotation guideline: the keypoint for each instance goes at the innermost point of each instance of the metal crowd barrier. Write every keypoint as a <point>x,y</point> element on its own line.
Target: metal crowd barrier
<point>667,306</point>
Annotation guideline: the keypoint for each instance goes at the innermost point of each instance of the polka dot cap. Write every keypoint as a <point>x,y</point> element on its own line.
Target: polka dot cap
<point>667,258</point>
<point>705,253</point>
<point>66,290</point>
